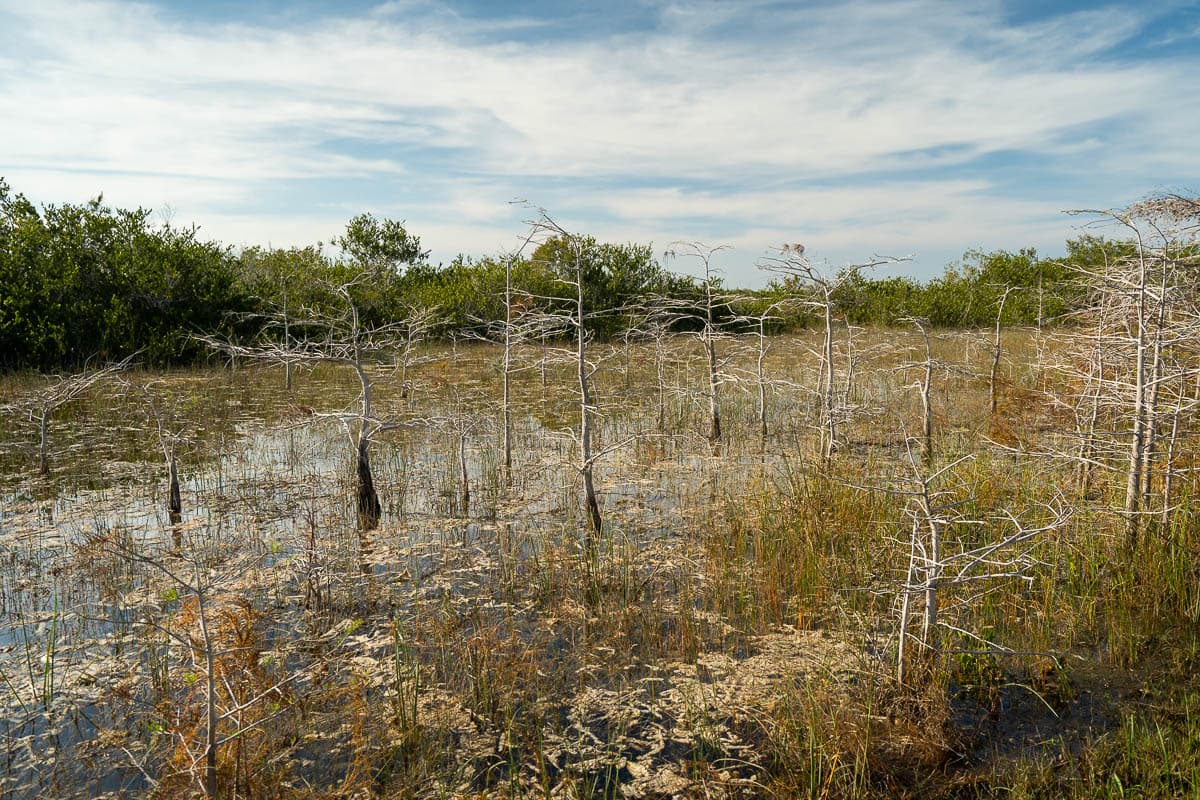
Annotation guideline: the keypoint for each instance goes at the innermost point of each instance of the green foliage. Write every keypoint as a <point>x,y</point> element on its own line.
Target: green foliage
<point>968,294</point>
<point>880,301</point>
<point>466,291</point>
<point>302,281</point>
<point>78,281</point>
<point>616,277</point>
<point>381,245</point>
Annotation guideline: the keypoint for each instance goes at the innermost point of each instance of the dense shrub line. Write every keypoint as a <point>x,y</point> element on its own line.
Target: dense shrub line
<point>88,281</point>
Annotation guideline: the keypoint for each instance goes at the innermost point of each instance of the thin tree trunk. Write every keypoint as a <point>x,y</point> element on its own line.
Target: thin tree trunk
<point>1041,299</point>
<point>1169,471</point>
<point>905,604</point>
<point>710,347</point>
<point>507,425</point>
<point>992,388</point>
<point>287,341</point>
<point>507,372</point>
<point>927,412</point>
<point>209,783</point>
<point>660,367</point>
<point>851,366</point>
<point>714,407</point>
<point>585,415</point>
<point>927,399</point>
<point>933,571</point>
<point>830,427</point>
<point>1152,401</point>
<point>44,442</point>
<point>1137,439</point>
<point>462,466</point>
<point>762,382</point>
<point>1087,448</point>
<point>174,500</point>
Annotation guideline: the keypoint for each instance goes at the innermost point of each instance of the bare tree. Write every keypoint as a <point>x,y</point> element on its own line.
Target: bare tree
<point>571,324</point>
<point>170,436</point>
<point>760,373</point>
<point>815,289</point>
<point>713,301</point>
<point>752,320</point>
<point>231,705</point>
<point>518,327</point>
<point>41,404</point>
<point>506,369</point>
<point>937,564</point>
<point>925,385</point>
<point>342,338</point>
<point>1144,311</point>
<point>463,426</point>
<point>992,388</point>
<point>926,367</point>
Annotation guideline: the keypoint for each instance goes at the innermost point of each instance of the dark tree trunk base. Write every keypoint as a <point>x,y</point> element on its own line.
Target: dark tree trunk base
<point>369,507</point>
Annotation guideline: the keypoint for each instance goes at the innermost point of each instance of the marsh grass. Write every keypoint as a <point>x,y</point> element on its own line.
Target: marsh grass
<point>731,634</point>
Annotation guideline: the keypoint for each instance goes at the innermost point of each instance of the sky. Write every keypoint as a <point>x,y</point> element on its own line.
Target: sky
<point>867,127</point>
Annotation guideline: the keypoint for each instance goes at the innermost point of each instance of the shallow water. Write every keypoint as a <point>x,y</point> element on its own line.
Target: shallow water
<point>90,563</point>
<point>100,646</point>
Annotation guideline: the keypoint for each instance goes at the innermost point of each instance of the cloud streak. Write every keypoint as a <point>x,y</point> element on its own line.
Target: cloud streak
<point>872,115</point>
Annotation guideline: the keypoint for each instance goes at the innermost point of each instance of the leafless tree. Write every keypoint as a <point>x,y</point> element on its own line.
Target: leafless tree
<point>992,388</point>
<point>170,435</point>
<point>195,575</point>
<point>41,404</point>
<point>519,326</point>
<point>755,319</point>
<point>936,564</point>
<point>1145,313</point>
<point>813,288</point>
<point>653,324</point>
<point>463,426</point>
<point>713,303</point>
<point>342,338</point>
<point>571,326</point>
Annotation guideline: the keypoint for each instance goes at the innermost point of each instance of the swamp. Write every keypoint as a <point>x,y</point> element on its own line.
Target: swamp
<point>905,566</point>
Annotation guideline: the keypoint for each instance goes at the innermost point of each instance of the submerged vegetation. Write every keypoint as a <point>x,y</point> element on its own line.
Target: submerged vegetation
<point>620,548</point>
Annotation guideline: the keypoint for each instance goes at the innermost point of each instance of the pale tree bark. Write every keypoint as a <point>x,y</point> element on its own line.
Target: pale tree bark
<point>343,339</point>
<point>993,392</point>
<point>506,371</point>
<point>707,317</point>
<point>1140,316</point>
<point>574,323</point>
<point>936,566</point>
<point>927,397</point>
<point>41,404</point>
<point>814,289</point>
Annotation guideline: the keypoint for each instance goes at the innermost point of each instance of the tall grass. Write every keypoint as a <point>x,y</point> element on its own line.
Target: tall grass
<point>733,633</point>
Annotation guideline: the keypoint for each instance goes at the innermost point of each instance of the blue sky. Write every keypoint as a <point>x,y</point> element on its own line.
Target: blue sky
<point>864,127</point>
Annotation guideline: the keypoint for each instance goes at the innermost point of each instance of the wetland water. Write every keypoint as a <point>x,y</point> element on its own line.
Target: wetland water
<point>98,646</point>
<point>458,647</point>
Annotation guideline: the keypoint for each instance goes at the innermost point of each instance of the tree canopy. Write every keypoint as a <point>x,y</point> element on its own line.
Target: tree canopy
<point>90,281</point>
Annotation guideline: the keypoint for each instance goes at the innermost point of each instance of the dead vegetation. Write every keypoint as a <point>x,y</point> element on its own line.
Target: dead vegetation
<point>732,630</point>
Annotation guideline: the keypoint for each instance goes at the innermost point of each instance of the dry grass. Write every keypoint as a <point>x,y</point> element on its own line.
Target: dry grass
<point>733,635</point>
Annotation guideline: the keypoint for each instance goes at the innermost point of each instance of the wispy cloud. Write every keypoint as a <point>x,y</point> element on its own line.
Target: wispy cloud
<point>735,120</point>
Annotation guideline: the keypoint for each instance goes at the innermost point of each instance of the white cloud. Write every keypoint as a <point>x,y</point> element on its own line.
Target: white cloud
<point>124,97</point>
